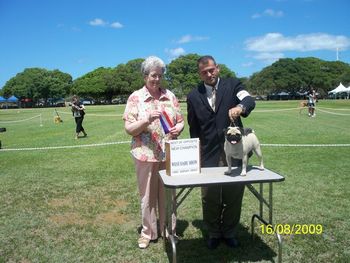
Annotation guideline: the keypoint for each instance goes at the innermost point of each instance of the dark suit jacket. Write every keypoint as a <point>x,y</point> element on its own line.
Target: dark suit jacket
<point>208,125</point>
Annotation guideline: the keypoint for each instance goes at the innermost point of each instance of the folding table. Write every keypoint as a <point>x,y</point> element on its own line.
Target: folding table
<point>216,176</point>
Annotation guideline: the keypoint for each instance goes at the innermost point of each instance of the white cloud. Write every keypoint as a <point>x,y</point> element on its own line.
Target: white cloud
<point>273,13</point>
<point>97,22</point>
<point>268,57</point>
<point>116,25</point>
<point>248,64</point>
<point>81,61</point>
<point>190,38</point>
<point>276,42</point>
<point>175,52</point>
<point>255,16</point>
<point>76,29</point>
<point>270,13</point>
<point>102,23</point>
<point>271,46</point>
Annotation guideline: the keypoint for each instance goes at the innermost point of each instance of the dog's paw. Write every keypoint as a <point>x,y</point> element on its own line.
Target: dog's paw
<point>243,174</point>
<point>261,168</point>
<point>228,172</point>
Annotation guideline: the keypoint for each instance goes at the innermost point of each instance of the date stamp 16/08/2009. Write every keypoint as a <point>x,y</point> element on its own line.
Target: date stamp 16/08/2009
<point>292,229</point>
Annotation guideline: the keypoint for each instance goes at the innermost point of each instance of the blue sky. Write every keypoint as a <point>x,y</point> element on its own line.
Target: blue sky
<point>78,36</point>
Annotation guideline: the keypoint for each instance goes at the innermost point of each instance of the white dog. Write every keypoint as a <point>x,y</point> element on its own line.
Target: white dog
<point>239,143</point>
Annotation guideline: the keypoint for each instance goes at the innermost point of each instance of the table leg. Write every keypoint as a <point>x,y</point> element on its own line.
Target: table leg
<point>260,217</point>
<point>168,232</point>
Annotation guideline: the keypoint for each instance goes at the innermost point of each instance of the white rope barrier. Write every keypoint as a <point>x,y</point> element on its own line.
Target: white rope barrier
<point>16,121</point>
<point>299,108</point>
<point>332,108</point>
<point>105,115</point>
<point>334,113</point>
<point>125,142</point>
<point>278,110</point>
<point>304,145</point>
<point>93,114</point>
<point>63,147</point>
<point>128,142</point>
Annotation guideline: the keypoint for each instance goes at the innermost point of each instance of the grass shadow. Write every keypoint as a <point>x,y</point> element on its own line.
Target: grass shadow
<point>195,250</point>
<point>181,226</point>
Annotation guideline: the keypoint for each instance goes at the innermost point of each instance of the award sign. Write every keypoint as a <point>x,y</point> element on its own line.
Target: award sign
<point>182,156</point>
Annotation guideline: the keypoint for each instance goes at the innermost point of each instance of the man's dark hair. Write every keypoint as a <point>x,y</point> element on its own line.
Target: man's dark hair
<point>205,60</point>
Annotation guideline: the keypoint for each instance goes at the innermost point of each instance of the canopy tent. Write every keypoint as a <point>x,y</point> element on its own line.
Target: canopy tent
<point>12,99</point>
<point>11,102</point>
<point>348,91</point>
<point>339,89</point>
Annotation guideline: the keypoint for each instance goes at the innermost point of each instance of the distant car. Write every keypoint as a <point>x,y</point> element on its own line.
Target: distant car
<point>119,100</point>
<point>88,102</point>
<point>116,101</point>
<point>59,103</point>
<point>260,97</point>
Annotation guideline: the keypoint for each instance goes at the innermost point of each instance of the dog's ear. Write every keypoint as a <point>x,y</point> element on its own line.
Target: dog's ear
<point>246,131</point>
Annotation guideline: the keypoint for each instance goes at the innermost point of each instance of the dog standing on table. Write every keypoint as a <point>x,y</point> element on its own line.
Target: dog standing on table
<point>238,143</point>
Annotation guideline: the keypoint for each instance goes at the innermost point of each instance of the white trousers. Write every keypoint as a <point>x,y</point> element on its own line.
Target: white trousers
<point>152,196</point>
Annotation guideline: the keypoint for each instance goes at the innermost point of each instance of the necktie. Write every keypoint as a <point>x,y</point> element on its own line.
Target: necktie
<point>213,99</point>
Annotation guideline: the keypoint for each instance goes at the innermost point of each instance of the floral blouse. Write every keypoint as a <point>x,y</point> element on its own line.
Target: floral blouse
<point>149,146</point>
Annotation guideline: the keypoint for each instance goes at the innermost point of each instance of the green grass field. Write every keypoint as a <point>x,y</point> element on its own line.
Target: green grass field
<point>67,200</point>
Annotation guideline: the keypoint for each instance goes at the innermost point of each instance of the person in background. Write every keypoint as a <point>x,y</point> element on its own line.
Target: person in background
<point>311,102</point>
<point>144,109</point>
<point>211,107</point>
<point>78,110</point>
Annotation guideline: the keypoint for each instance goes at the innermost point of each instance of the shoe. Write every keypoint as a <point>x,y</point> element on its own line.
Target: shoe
<point>232,242</point>
<point>213,243</point>
<point>143,242</point>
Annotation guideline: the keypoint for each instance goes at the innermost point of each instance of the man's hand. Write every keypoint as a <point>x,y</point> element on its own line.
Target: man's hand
<point>234,113</point>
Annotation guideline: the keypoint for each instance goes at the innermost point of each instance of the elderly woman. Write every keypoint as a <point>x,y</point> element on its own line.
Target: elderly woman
<point>143,113</point>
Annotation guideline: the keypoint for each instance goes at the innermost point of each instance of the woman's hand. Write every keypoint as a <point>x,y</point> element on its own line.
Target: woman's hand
<point>176,130</point>
<point>153,115</point>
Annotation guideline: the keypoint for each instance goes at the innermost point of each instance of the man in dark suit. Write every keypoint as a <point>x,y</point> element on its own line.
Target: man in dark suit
<point>211,107</point>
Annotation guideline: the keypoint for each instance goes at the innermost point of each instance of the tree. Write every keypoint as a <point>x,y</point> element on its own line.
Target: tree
<point>182,74</point>
<point>299,74</point>
<point>106,83</point>
<point>128,77</point>
<point>38,83</point>
<point>92,84</point>
<point>345,78</point>
<point>225,72</point>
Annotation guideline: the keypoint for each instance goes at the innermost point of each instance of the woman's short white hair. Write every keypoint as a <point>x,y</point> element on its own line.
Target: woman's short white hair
<point>151,63</point>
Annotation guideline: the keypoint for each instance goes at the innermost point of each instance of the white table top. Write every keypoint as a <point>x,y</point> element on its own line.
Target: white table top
<point>215,175</point>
